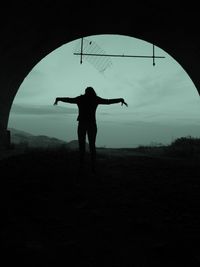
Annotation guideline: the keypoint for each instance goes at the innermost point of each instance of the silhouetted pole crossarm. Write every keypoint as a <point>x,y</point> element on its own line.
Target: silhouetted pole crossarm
<point>115,55</point>
<point>81,54</point>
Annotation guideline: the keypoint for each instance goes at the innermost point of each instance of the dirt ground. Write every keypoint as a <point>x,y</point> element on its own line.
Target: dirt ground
<point>136,210</point>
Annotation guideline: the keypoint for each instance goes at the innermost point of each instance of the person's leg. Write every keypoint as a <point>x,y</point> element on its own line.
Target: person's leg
<point>92,132</point>
<point>81,140</point>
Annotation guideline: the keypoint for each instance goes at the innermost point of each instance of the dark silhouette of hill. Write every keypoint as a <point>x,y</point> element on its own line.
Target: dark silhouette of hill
<point>73,145</point>
<point>24,140</point>
<point>137,210</point>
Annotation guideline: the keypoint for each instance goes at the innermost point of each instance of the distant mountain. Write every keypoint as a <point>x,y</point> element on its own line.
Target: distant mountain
<point>26,139</point>
<point>73,145</point>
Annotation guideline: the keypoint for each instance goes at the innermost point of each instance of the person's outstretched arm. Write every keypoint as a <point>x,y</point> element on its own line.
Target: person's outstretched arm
<point>72,100</point>
<point>112,101</point>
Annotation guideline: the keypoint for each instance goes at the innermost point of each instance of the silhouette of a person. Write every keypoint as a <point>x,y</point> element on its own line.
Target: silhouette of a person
<point>87,105</point>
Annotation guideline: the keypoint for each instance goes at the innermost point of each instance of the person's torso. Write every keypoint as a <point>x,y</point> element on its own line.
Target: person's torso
<point>87,109</point>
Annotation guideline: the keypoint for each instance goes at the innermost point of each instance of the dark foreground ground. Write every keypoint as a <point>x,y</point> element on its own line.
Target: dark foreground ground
<point>135,211</point>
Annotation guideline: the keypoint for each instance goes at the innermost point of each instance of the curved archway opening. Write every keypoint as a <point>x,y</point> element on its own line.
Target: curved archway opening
<point>163,101</point>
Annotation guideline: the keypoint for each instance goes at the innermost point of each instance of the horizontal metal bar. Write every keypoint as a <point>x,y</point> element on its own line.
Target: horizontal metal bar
<point>113,55</point>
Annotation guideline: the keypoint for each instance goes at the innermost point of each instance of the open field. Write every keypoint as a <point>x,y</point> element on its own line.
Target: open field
<point>136,210</point>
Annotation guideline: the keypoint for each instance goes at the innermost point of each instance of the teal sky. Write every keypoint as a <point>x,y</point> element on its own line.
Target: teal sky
<point>163,101</point>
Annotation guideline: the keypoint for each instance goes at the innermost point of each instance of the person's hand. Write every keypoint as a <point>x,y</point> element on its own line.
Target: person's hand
<point>123,102</point>
<point>56,102</point>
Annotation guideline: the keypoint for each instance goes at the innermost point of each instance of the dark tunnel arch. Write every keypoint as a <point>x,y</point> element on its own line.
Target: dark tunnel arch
<point>104,35</point>
<point>28,38</point>
<point>46,49</point>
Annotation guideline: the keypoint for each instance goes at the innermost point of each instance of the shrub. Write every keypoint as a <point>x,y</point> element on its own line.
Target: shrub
<point>185,147</point>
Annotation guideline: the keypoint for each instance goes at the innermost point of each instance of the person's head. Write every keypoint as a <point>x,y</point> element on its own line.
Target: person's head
<point>89,91</point>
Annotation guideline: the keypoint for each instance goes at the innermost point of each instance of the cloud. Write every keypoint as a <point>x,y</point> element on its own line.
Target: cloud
<point>165,91</point>
<point>41,110</point>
